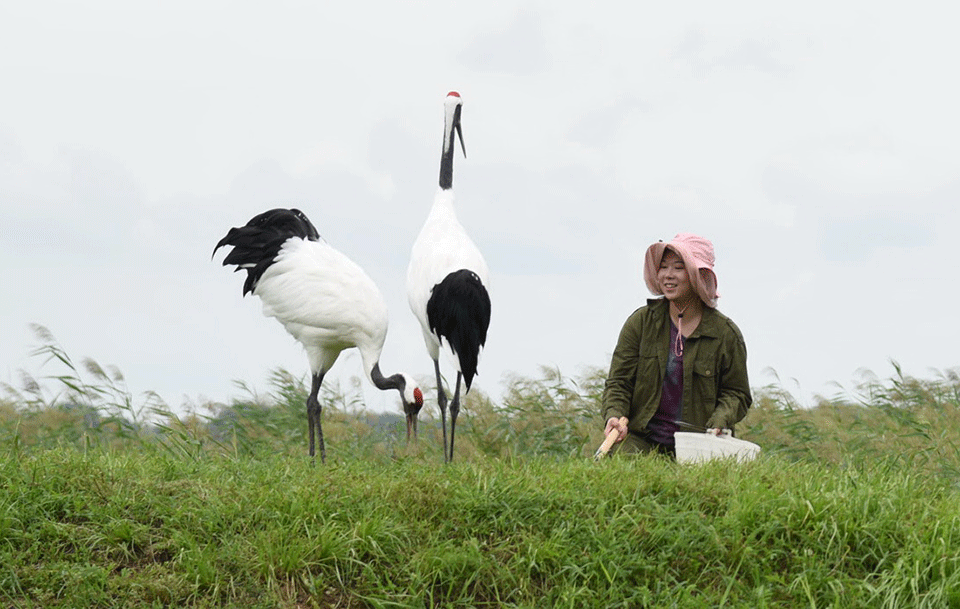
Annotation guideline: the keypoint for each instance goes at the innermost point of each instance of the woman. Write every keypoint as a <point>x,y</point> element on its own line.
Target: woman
<point>679,363</point>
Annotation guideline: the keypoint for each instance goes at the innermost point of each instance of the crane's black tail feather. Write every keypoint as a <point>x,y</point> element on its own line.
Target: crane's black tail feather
<point>256,245</point>
<point>459,312</point>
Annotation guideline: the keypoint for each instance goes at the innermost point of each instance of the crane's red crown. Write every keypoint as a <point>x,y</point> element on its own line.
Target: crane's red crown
<point>453,93</point>
<point>418,396</point>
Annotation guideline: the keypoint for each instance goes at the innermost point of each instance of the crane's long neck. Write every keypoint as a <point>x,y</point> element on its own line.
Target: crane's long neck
<point>381,382</point>
<point>446,157</point>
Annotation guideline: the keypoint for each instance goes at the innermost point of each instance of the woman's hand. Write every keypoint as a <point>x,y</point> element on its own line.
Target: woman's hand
<point>619,424</point>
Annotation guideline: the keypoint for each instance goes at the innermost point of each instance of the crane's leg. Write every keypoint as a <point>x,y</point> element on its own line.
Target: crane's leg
<point>442,399</point>
<point>313,416</point>
<point>454,411</point>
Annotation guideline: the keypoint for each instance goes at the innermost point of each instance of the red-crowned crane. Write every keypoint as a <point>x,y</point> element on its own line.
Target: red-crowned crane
<point>446,282</point>
<point>322,298</point>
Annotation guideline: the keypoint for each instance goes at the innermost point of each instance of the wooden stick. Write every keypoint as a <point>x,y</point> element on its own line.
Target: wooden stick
<point>607,443</point>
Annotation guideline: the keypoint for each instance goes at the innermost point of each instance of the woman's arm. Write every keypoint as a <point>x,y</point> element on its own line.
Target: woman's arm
<point>618,390</point>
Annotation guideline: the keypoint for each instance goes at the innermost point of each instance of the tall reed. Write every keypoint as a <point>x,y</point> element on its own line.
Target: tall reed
<point>899,421</point>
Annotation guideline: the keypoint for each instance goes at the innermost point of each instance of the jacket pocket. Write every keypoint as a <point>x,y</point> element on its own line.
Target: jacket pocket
<point>705,388</point>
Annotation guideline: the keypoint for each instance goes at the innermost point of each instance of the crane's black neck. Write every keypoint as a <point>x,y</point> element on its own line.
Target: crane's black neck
<point>390,382</point>
<point>446,157</point>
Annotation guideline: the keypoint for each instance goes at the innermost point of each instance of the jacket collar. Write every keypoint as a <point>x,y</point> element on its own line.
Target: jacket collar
<point>709,321</point>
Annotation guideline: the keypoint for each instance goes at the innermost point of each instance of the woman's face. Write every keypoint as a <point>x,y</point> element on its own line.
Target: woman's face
<point>673,278</point>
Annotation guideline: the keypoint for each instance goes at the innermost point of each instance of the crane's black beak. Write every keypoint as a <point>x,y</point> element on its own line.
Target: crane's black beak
<point>411,426</point>
<point>460,135</point>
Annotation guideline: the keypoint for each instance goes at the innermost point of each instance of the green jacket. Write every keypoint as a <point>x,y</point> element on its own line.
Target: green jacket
<point>716,392</point>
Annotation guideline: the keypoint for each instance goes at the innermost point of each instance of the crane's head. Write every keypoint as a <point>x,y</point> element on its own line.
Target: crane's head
<point>412,399</point>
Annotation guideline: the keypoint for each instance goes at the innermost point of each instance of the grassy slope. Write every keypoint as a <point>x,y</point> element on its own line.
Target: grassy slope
<point>854,502</point>
<point>141,527</point>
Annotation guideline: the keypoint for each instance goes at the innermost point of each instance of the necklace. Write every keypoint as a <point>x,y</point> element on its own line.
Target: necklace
<point>678,344</point>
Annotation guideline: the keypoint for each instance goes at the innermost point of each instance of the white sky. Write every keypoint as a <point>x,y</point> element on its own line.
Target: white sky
<point>818,146</point>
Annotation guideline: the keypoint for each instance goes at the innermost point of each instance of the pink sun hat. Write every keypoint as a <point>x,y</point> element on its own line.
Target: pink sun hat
<point>697,253</point>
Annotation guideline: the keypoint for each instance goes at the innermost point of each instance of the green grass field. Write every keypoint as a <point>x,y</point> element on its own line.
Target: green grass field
<point>110,500</point>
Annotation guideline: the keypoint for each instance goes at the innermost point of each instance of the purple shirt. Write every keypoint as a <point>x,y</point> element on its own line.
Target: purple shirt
<point>663,424</point>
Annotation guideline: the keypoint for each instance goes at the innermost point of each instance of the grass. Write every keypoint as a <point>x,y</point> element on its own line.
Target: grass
<point>142,528</point>
<point>110,501</point>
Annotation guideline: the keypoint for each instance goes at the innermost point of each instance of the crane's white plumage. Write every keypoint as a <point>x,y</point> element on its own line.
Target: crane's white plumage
<point>324,299</point>
<point>442,247</point>
<point>446,282</point>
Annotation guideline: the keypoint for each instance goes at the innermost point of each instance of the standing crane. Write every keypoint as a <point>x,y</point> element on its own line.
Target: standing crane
<point>446,282</point>
<point>324,299</point>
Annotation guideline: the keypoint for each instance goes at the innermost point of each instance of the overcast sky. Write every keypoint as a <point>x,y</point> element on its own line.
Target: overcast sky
<point>818,146</point>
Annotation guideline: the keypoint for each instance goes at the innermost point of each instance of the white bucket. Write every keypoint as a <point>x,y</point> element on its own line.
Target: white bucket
<point>700,447</point>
